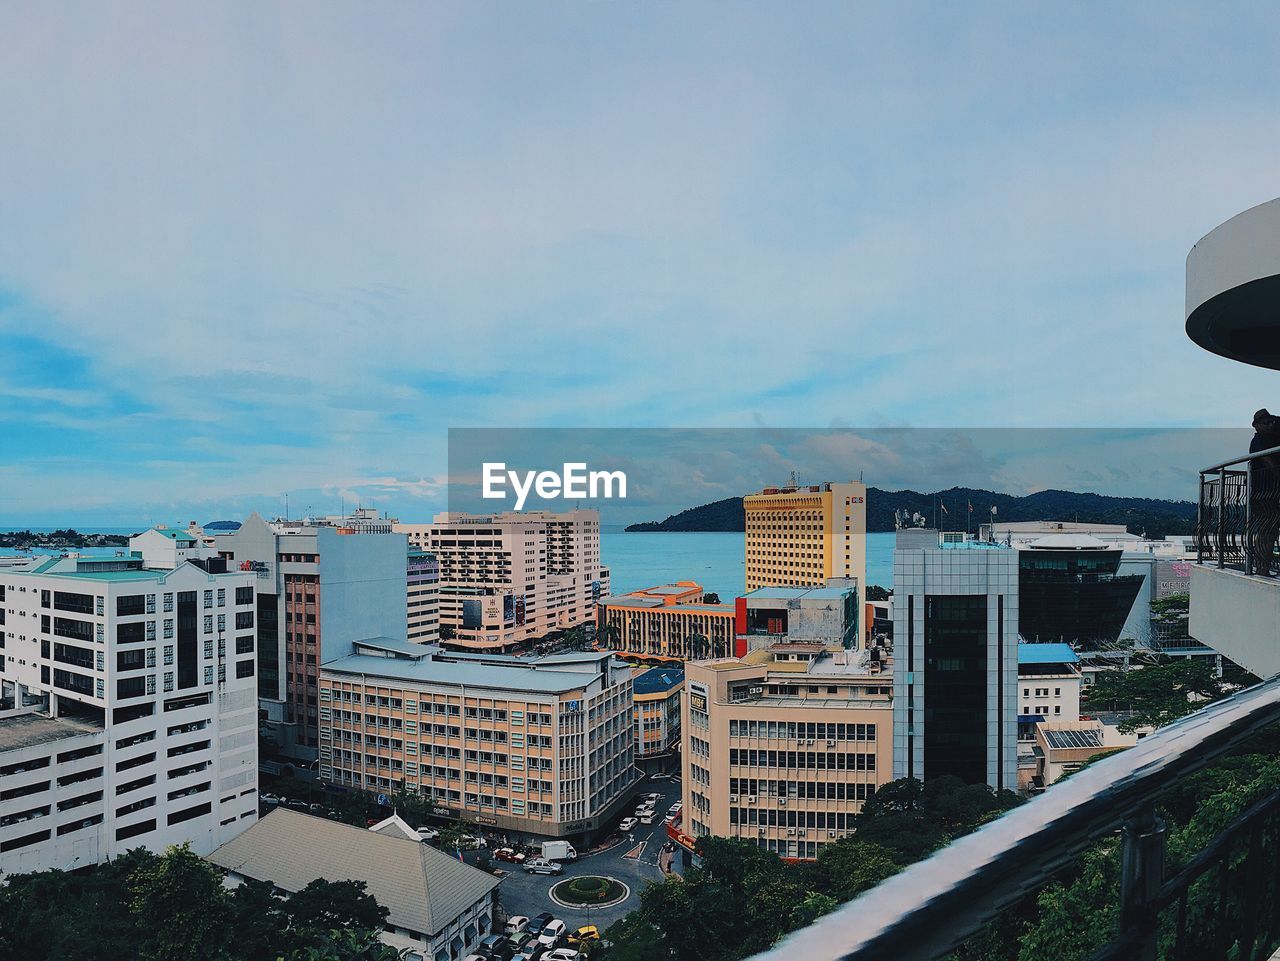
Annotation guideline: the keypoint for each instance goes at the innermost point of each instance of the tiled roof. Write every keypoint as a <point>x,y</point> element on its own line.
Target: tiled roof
<point>422,888</point>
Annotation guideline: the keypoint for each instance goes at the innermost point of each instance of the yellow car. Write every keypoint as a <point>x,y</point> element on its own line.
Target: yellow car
<point>587,934</point>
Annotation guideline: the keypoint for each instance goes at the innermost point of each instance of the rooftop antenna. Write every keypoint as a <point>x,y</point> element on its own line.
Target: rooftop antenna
<point>286,506</point>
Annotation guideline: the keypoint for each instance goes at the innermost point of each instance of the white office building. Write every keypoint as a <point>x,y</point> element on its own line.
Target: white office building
<point>128,709</point>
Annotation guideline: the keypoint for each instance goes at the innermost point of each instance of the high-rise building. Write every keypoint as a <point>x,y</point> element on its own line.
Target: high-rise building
<point>423,597</point>
<point>506,579</point>
<point>542,746</point>
<point>955,609</point>
<point>129,709</point>
<point>318,588</point>
<point>781,747</point>
<point>668,621</point>
<point>800,536</point>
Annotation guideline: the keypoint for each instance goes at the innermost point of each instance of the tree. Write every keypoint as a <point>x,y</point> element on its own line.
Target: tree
<point>877,593</point>
<point>1156,694</point>
<point>180,907</point>
<point>699,647</point>
<point>851,865</point>
<point>256,917</point>
<point>324,906</point>
<point>448,632</point>
<point>347,945</point>
<point>710,597</point>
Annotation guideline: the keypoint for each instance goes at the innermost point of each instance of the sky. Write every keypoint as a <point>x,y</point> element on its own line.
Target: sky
<point>250,249</point>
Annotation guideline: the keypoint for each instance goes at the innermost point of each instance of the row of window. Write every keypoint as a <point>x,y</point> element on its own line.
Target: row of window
<point>809,730</point>
<point>803,760</point>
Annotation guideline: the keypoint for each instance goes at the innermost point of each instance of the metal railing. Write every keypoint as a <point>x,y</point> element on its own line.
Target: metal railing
<point>1239,512</point>
<point>932,907</point>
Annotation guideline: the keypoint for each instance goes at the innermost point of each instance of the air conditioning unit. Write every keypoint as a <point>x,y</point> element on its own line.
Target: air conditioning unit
<point>801,832</point>
<point>831,744</point>
<point>751,799</point>
<point>733,799</point>
<point>831,834</point>
<point>782,802</point>
<point>810,741</point>
<point>761,832</point>
<point>791,832</point>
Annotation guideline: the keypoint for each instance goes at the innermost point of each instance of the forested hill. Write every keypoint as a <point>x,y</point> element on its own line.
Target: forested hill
<point>1155,518</point>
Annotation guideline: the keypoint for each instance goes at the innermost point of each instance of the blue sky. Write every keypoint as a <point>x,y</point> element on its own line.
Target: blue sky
<point>256,248</point>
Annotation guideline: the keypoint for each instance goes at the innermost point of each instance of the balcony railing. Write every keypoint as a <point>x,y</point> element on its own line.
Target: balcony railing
<point>1239,513</point>
<point>928,910</point>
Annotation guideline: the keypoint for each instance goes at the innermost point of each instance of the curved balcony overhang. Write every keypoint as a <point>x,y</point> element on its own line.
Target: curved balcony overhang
<point>1233,288</point>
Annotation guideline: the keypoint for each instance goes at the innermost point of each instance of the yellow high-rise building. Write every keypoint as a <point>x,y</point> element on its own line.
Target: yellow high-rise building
<point>799,536</point>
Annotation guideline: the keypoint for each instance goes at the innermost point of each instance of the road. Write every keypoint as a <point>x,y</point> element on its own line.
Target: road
<point>528,893</point>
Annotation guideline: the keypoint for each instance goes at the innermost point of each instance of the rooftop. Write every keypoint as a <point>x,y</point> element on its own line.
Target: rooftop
<point>1047,654</point>
<point>422,888</point>
<point>657,680</point>
<point>428,665</point>
<point>27,730</point>
<point>1073,737</point>
<point>798,593</point>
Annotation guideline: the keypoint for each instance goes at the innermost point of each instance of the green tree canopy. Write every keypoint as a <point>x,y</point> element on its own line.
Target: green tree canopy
<point>1156,694</point>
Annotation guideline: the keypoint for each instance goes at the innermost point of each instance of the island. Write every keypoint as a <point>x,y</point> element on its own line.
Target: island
<point>1142,515</point>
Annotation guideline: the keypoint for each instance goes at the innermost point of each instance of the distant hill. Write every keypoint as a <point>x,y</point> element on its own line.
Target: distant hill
<point>222,526</point>
<point>1155,518</point>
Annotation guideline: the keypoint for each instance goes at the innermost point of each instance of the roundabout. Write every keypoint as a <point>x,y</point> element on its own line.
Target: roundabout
<point>589,891</point>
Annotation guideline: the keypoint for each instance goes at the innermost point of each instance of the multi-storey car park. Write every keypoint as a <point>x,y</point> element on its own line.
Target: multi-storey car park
<point>128,709</point>
<point>540,746</point>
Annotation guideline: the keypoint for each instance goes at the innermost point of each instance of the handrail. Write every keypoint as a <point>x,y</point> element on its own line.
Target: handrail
<point>933,906</point>
<point>1240,460</point>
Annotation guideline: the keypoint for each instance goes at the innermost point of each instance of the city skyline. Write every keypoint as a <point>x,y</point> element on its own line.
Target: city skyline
<point>279,252</point>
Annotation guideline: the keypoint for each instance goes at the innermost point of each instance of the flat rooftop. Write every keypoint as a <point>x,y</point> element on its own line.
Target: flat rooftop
<point>27,730</point>
<point>475,670</point>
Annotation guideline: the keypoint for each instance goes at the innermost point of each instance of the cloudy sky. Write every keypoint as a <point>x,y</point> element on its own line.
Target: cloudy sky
<point>249,249</point>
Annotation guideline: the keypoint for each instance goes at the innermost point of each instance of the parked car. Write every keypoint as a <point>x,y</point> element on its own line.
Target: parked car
<point>516,924</point>
<point>509,854</point>
<point>536,924</point>
<point>521,940</point>
<point>675,808</point>
<point>626,824</point>
<point>585,934</point>
<point>561,954</point>
<point>552,933</point>
<point>668,819</point>
<point>428,834</point>
<point>648,817</point>
<point>270,800</point>
<point>469,842</point>
<point>543,866</point>
<point>296,804</point>
<point>476,957</point>
<point>533,951</point>
<point>497,946</point>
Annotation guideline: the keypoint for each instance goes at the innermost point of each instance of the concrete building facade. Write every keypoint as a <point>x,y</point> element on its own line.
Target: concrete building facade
<point>782,747</point>
<point>128,710</point>
<point>956,658</point>
<point>540,746</point>
<point>668,621</point>
<point>656,691</point>
<point>423,597</point>
<point>317,588</point>
<point>507,579</point>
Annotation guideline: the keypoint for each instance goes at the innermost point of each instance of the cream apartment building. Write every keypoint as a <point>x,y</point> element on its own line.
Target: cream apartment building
<point>506,579</point>
<point>782,746</point>
<point>537,746</point>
